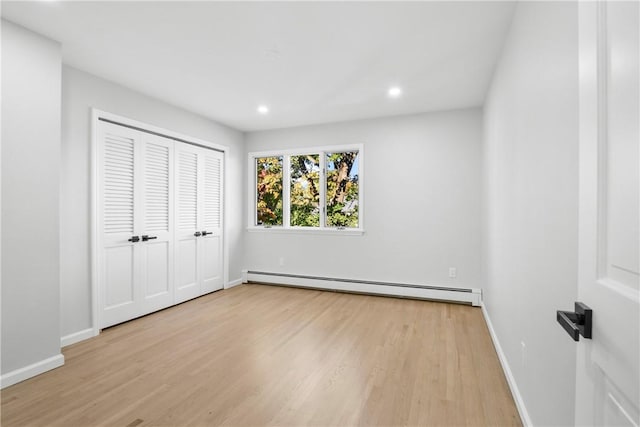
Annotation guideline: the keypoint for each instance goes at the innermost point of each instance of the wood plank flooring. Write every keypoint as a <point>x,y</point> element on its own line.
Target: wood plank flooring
<point>260,355</point>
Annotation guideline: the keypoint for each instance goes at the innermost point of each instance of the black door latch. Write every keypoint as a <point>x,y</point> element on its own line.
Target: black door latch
<point>146,238</point>
<point>578,322</point>
<point>134,239</point>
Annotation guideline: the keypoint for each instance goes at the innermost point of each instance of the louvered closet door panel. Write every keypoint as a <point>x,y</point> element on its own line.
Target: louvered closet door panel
<point>118,184</point>
<point>157,247</point>
<point>212,209</point>
<point>118,194</point>
<point>187,209</point>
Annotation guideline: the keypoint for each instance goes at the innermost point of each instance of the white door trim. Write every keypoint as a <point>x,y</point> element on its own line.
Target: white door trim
<point>96,115</point>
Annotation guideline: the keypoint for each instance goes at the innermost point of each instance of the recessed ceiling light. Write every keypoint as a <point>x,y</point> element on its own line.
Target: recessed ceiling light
<point>263,109</point>
<point>394,92</point>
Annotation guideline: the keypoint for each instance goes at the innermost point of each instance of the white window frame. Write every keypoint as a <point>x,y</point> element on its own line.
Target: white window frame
<point>286,202</point>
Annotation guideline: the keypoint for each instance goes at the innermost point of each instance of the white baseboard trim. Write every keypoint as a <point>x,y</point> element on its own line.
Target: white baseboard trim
<point>77,337</point>
<point>515,392</point>
<point>472,296</point>
<point>32,370</point>
<point>233,283</point>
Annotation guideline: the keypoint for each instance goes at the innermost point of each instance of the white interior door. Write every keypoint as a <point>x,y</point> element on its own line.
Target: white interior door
<point>211,220</point>
<point>159,220</point>
<point>157,231</point>
<point>608,365</point>
<point>199,256</point>
<point>118,217</point>
<point>136,222</point>
<point>188,232</point>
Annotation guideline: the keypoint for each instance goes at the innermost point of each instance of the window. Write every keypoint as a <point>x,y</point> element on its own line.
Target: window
<point>305,190</point>
<point>312,190</point>
<point>342,189</point>
<point>269,191</point>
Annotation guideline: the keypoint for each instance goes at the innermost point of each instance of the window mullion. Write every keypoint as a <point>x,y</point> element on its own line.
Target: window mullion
<point>323,189</point>
<point>286,191</point>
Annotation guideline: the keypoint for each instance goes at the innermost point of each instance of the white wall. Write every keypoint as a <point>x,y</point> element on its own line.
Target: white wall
<point>531,189</point>
<point>30,198</point>
<point>422,202</point>
<point>80,92</point>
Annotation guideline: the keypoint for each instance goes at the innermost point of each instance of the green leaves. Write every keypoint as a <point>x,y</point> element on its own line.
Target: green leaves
<point>341,188</point>
<point>269,191</point>
<point>305,190</point>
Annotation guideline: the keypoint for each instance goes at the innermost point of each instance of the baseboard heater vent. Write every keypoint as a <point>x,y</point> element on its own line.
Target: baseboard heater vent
<point>471,296</point>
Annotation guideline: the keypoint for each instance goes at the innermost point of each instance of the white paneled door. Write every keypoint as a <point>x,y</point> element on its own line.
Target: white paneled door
<point>199,222</point>
<point>156,228</point>
<point>187,230</point>
<point>159,217</point>
<point>211,219</point>
<point>608,364</point>
<point>118,211</point>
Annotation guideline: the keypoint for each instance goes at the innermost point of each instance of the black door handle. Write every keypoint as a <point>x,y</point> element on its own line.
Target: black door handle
<point>578,322</point>
<point>204,233</point>
<point>134,239</point>
<point>145,237</point>
<point>197,234</point>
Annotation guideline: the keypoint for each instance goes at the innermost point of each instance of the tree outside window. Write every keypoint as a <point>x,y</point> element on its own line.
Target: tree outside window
<point>269,191</point>
<point>314,190</point>
<point>342,189</point>
<point>305,190</point>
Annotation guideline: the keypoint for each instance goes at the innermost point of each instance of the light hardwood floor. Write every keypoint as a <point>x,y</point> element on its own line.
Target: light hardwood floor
<point>263,355</point>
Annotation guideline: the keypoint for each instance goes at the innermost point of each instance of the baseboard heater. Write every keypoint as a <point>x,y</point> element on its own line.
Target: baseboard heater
<point>461,295</point>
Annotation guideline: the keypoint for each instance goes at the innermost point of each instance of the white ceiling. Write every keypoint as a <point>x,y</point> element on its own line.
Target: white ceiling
<point>310,62</point>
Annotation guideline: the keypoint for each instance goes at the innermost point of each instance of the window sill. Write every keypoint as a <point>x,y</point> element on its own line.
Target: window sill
<point>305,230</point>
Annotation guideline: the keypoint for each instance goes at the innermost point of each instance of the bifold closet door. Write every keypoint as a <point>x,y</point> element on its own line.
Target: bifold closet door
<point>211,219</point>
<point>157,225</point>
<point>135,223</point>
<point>199,237</point>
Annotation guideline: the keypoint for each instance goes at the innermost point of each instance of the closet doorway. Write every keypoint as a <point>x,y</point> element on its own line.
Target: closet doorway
<point>157,219</point>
